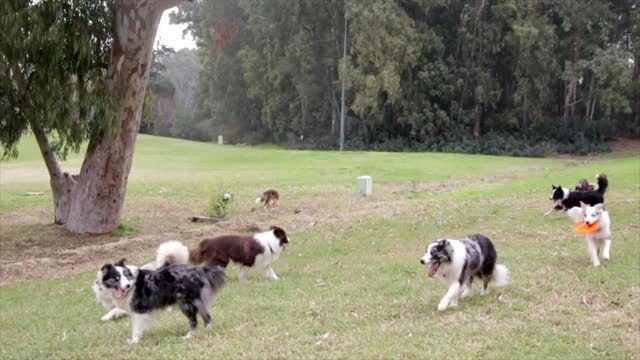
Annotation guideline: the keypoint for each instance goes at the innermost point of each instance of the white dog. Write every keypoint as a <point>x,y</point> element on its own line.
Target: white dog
<point>599,239</point>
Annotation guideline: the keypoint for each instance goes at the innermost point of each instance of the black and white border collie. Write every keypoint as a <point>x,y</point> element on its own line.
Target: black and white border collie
<point>456,262</point>
<point>568,199</point>
<point>168,253</point>
<point>258,251</point>
<point>139,292</point>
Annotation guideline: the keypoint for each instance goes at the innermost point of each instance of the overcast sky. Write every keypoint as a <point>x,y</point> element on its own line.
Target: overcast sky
<point>171,35</point>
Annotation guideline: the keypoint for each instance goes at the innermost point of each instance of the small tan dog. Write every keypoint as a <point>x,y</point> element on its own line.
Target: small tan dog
<point>583,185</point>
<point>270,198</point>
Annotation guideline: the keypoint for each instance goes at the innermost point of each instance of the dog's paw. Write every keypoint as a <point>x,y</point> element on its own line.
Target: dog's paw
<point>133,340</point>
<point>466,293</point>
<point>208,326</point>
<point>442,306</point>
<point>484,292</point>
<point>106,317</point>
<point>188,336</point>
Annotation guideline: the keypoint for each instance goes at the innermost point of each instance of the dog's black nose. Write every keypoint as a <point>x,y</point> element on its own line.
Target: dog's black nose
<point>421,261</point>
<point>128,286</point>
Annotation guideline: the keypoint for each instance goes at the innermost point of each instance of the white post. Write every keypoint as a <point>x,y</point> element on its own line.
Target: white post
<point>220,142</point>
<point>364,185</point>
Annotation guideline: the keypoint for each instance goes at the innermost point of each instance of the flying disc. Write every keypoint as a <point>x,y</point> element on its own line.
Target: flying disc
<point>584,228</point>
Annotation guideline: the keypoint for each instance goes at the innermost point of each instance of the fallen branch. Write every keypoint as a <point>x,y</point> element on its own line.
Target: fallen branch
<point>207,219</point>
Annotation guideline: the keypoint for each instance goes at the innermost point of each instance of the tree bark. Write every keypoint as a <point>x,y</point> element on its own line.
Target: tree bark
<point>60,187</point>
<point>525,111</point>
<point>97,198</point>
<point>477,114</point>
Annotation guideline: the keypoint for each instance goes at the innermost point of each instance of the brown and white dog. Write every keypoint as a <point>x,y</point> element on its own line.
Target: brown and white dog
<point>270,198</point>
<point>583,185</point>
<point>258,251</point>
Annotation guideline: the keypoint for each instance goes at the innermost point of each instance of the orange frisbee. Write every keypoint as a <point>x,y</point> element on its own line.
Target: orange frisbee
<point>583,228</point>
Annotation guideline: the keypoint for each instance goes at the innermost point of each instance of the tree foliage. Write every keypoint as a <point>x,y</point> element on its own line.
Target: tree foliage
<point>54,56</point>
<point>421,74</point>
<point>76,71</point>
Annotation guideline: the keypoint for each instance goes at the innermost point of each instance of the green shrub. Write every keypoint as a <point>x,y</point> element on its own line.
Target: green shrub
<point>220,205</point>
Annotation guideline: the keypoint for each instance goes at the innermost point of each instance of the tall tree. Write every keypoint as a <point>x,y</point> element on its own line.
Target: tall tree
<point>422,74</point>
<point>53,47</point>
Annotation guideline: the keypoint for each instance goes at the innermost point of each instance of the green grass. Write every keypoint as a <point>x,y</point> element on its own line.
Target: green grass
<point>350,284</point>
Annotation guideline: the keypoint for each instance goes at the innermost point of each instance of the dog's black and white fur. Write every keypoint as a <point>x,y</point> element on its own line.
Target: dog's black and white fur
<point>168,253</point>
<point>104,295</point>
<point>456,262</point>
<point>567,199</point>
<point>139,292</point>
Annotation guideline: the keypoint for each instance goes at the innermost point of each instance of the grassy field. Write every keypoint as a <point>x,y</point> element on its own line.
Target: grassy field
<point>350,284</point>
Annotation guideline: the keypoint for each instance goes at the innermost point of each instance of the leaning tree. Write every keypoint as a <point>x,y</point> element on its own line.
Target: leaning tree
<point>76,72</point>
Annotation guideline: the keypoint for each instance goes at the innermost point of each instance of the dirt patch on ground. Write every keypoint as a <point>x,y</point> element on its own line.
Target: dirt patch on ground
<point>57,254</point>
<point>618,146</point>
<point>622,145</point>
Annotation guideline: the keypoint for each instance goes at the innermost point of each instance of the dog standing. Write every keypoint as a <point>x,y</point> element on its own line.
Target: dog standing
<point>599,239</point>
<point>139,292</point>
<point>456,262</point>
<point>168,253</point>
<point>257,251</point>
<point>270,198</point>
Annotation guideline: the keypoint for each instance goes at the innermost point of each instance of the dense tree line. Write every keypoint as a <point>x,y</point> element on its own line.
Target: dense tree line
<point>510,76</point>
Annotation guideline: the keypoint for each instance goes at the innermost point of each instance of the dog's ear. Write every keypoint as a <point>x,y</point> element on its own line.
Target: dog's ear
<point>448,247</point>
<point>120,262</point>
<point>553,187</point>
<point>583,205</point>
<point>280,234</point>
<point>106,268</point>
<point>599,208</point>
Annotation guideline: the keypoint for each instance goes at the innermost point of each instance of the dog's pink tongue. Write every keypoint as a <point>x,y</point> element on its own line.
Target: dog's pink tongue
<point>118,293</point>
<point>433,268</point>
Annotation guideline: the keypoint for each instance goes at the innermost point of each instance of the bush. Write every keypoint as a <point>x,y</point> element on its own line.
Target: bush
<point>220,205</point>
<point>186,127</point>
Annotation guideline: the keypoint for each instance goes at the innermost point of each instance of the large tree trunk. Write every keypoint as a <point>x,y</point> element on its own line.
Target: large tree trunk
<point>98,197</point>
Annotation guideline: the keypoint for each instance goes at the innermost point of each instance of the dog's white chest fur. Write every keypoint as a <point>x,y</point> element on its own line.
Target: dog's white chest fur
<point>272,250</point>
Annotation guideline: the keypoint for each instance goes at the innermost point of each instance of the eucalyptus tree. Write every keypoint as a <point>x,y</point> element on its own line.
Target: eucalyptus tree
<point>75,72</point>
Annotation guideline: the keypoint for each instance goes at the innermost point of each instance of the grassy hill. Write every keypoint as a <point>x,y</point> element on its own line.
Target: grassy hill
<point>350,284</point>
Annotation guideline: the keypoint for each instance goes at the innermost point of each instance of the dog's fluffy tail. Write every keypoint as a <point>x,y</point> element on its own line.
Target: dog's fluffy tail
<point>603,183</point>
<point>172,253</point>
<point>216,276</point>
<point>501,275</point>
